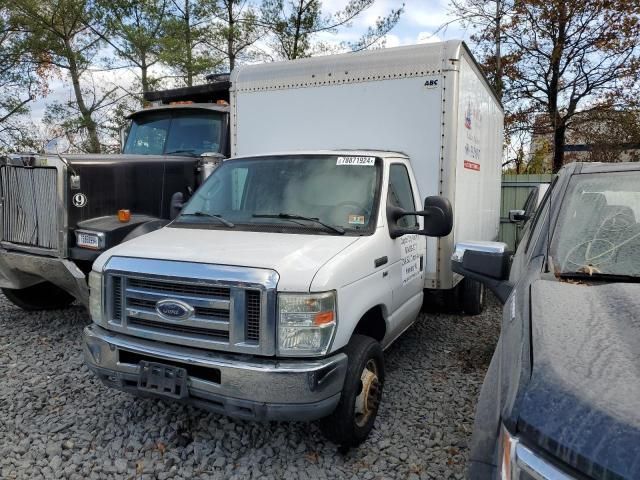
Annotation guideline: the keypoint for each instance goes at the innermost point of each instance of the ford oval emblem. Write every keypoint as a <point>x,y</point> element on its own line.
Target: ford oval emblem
<point>174,309</point>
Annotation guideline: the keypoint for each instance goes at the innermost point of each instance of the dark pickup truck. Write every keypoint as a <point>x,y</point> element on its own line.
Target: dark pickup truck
<point>561,399</point>
<point>58,212</point>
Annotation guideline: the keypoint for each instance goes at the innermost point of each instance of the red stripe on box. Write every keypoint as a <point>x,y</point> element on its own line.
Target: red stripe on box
<point>472,165</point>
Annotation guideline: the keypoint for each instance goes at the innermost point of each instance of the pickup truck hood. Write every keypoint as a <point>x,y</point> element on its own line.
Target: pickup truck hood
<point>582,403</point>
<point>296,258</point>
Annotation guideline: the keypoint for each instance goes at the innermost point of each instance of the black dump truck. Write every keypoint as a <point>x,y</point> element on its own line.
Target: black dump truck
<point>58,212</point>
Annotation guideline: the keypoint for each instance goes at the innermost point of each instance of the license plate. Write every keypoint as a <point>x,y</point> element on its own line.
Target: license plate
<point>163,380</point>
<point>88,241</point>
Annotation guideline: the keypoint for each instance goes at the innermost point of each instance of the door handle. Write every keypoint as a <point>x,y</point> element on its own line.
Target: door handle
<point>378,262</point>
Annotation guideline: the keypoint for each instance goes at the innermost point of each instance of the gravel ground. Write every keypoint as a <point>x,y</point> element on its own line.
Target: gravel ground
<point>58,421</point>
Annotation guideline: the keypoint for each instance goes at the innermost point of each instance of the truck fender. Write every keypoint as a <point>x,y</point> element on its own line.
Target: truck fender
<point>145,228</point>
<point>373,323</point>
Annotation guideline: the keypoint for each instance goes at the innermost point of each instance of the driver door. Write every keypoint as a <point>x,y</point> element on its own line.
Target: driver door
<point>408,251</point>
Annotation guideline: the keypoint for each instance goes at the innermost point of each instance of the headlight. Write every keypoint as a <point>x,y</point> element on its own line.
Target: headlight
<point>95,296</point>
<point>90,239</point>
<point>306,323</point>
<point>521,463</point>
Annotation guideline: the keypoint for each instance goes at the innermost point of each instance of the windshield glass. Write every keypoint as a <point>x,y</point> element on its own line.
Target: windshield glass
<point>276,192</point>
<point>177,132</point>
<point>598,230</point>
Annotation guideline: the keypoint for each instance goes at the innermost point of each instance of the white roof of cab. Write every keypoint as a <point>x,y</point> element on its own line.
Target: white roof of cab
<point>407,61</point>
<point>345,153</point>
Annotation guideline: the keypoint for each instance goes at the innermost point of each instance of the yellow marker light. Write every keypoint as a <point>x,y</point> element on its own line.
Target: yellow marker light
<point>322,318</point>
<point>124,215</point>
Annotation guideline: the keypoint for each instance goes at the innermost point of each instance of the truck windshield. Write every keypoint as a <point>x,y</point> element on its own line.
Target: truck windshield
<point>321,194</point>
<point>180,132</point>
<point>597,233</point>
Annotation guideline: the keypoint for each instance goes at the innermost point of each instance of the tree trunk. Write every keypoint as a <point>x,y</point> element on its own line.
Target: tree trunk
<point>558,145</point>
<point>144,76</point>
<point>89,123</point>
<point>558,123</point>
<point>231,36</point>
<point>187,22</point>
<point>296,37</point>
<point>498,40</point>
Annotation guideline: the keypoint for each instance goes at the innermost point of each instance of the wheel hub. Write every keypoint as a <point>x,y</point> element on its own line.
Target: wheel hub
<point>369,398</point>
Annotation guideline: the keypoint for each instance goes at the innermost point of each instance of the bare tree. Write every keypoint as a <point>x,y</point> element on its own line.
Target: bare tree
<point>571,57</point>
<point>486,18</point>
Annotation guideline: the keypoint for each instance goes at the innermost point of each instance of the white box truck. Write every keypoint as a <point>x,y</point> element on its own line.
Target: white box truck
<point>275,291</point>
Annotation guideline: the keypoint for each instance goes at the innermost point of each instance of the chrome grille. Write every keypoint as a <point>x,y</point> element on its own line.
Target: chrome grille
<point>179,288</point>
<point>224,317</point>
<point>30,198</point>
<point>117,298</point>
<point>252,325</point>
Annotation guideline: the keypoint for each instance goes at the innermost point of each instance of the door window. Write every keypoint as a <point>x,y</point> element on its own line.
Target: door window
<point>401,195</point>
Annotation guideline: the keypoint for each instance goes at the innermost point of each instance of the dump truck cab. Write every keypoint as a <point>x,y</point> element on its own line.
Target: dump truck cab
<point>59,211</point>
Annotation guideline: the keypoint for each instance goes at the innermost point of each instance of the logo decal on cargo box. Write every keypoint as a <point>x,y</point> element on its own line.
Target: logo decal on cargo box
<point>431,83</point>
<point>174,309</point>
<point>79,200</point>
<point>472,165</point>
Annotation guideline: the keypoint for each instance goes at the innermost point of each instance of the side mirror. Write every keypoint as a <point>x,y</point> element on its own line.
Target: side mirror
<point>518,216</point>
<point>486,262</point>
<point>177,202</point>
<point>437,214</point>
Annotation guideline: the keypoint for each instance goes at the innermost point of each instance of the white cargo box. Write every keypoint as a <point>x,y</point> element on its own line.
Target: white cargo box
<point>428,101</point>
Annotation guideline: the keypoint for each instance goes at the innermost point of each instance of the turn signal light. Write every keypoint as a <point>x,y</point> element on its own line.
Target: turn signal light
<point>124,215</point>
<point>323,318</point>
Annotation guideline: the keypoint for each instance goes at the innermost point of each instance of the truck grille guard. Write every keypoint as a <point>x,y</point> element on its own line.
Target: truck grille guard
<point>32,209</point>
<point>230,309</point>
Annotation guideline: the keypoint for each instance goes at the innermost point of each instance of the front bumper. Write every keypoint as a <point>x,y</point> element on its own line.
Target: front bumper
<point>22,270</point>
<point>235,385</point>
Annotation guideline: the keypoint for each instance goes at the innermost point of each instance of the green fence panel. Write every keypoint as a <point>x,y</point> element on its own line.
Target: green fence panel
<point>515,190</point>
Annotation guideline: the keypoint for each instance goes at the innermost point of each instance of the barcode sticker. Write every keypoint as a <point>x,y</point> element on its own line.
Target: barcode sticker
<point>360,161</point>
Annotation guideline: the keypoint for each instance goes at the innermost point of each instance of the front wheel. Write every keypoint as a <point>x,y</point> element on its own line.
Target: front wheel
<point>42,296</point>
<point>353,419</point>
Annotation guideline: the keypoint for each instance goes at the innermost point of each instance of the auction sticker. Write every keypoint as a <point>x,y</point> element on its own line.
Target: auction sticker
<point>359,161</point>
<point>410,259</point>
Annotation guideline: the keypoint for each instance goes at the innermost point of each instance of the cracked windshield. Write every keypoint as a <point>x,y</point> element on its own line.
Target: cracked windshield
<point>329,194</point>
<point>598,233</point>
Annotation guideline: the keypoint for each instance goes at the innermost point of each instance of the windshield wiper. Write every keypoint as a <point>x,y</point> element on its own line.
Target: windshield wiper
<point>293,216</point>
<point>605,277</point>
<point>211,215</point>
<point>192,151</point>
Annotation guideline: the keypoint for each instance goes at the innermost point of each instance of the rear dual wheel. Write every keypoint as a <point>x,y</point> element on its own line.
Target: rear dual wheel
<point>353,419</point>
<point>468,297</point>
<point>42,296</point>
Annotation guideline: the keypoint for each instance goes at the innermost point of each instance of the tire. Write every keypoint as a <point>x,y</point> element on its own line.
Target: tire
<point>473,297</point>
<point>452,299</point>
<point>42,296</point>
<point>353,419</point>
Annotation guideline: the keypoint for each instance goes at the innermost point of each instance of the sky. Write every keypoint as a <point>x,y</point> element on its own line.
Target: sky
<point>418,24</point>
